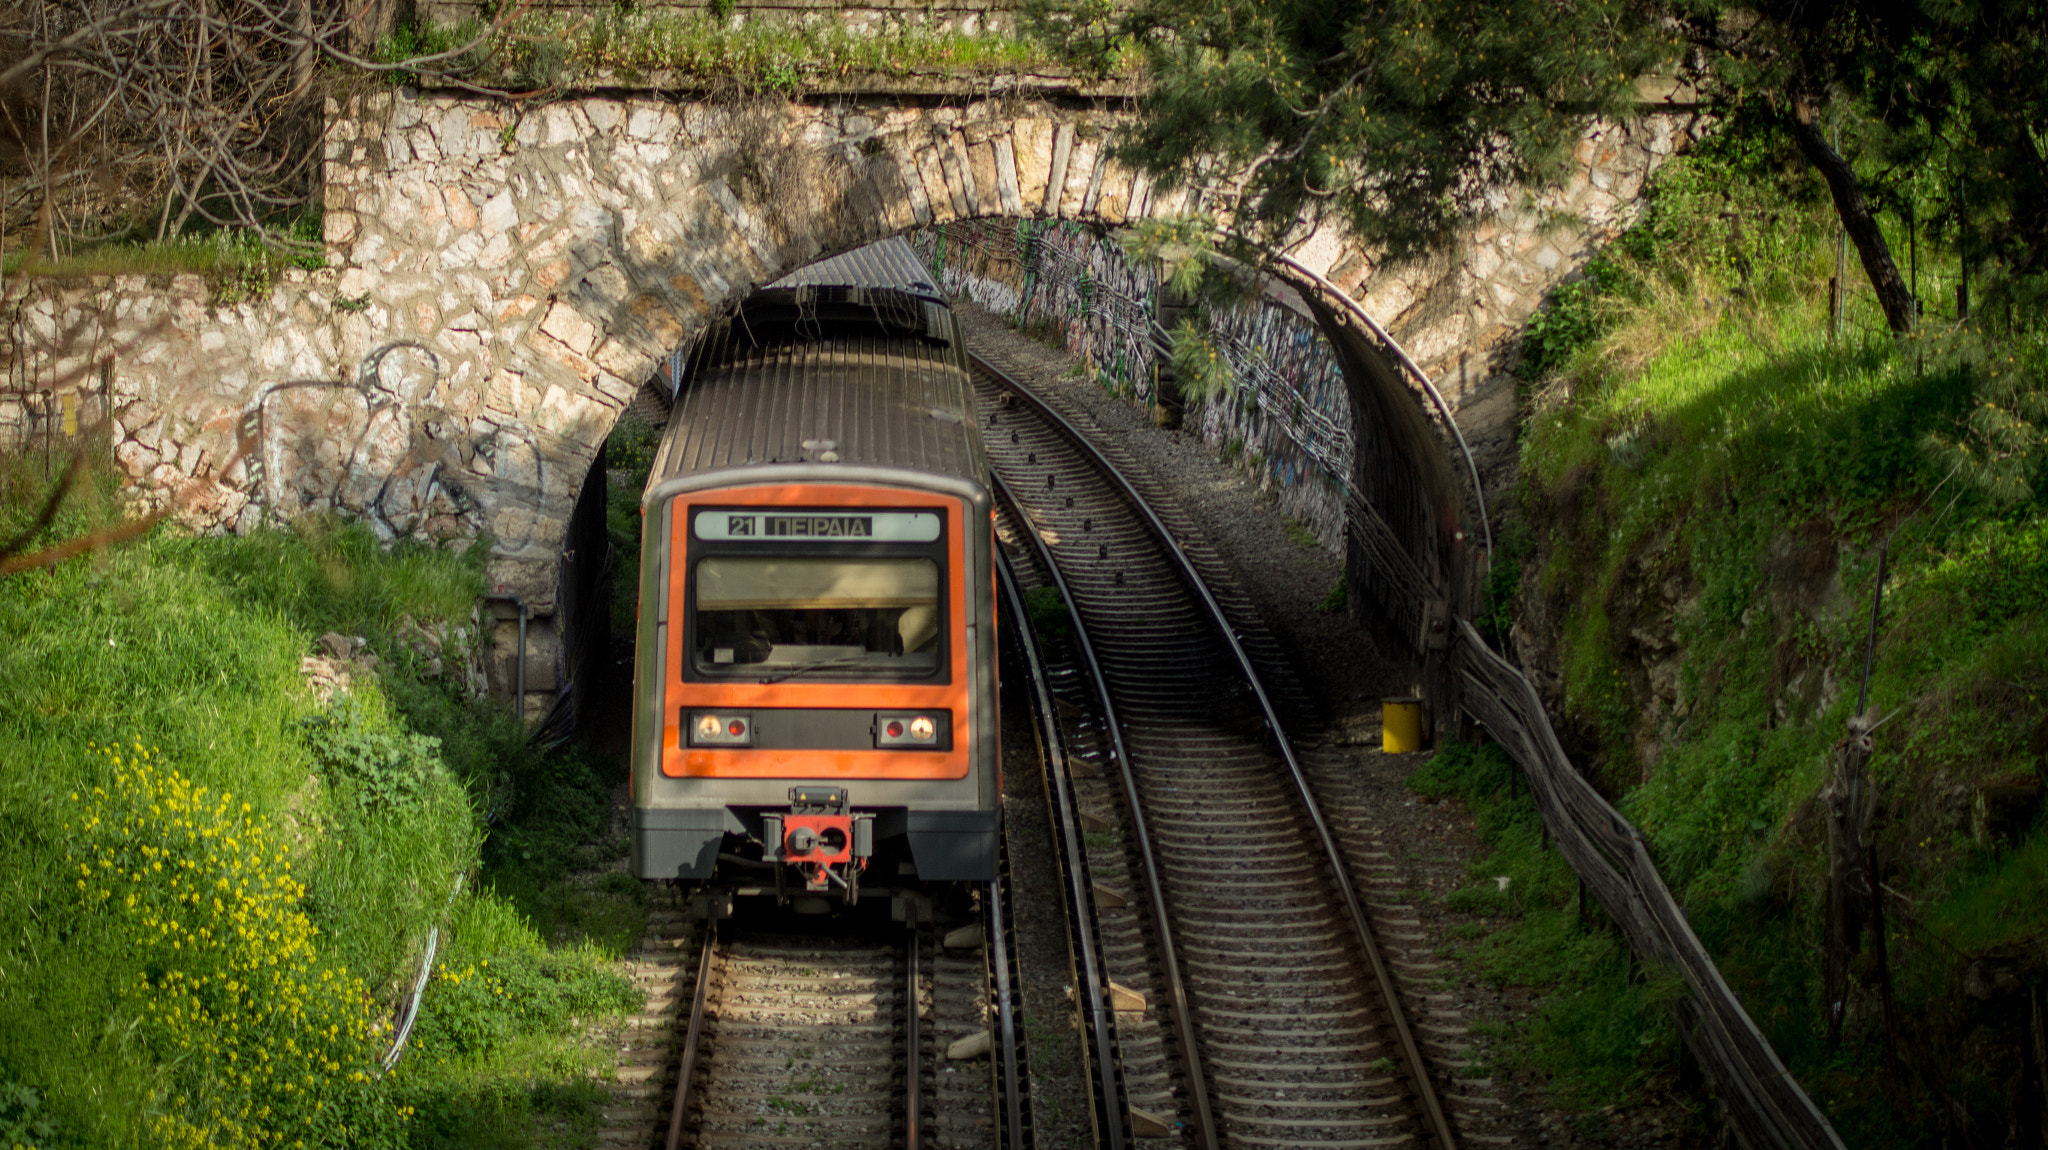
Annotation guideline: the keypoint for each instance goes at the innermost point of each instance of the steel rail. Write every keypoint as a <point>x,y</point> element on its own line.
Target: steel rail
<point>1176,990</point>
<point>686,1066</point>
<point>1111,1129</point>
<point>1006,1020</point>
<point>913,1096</point>
<point>1438,1121</point>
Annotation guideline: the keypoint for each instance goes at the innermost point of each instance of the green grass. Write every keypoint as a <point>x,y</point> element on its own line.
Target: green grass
<point>1599,1032</point>
<point>1048,611</point>
<point>540,50</point>
<point>552,829</point>
<point>236,262</point>
<point>191,648</point>
<point>1299,534</point>
<point>1338,600</point>
<point>326,576</point>
<point>1707,476</point>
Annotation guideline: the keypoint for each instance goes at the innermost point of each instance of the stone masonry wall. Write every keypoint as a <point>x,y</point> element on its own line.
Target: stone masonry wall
<point>504,277</point>
<point>229,412</point>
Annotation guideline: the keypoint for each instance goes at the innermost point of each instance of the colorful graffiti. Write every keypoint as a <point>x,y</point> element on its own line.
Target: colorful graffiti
<point>1287,421</point>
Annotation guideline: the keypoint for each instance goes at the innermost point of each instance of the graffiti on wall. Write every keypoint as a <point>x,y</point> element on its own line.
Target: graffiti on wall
<point>1291,412</point>
<point>1288,421</point>
<point>1056,276</point>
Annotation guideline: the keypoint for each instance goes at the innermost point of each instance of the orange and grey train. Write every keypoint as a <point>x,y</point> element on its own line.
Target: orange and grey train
<point>816,672</point>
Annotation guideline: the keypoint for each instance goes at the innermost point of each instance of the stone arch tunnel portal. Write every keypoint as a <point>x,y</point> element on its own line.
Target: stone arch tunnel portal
<point>504,279</point>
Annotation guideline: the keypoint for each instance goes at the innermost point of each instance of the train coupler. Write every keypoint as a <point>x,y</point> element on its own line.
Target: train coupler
<point>827,844</point>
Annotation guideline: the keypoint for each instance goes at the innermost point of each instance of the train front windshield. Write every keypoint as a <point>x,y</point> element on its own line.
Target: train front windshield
<point>860,617</point>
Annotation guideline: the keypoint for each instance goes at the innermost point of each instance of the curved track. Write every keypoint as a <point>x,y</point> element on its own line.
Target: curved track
<point>1266,1016</point>
<point>1093,994</point>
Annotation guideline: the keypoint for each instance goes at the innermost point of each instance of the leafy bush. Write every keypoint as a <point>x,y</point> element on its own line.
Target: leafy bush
<point>481,1004</point>
<point>382,767</point>
<point>2002,442</point>
<point>22,1124</point>
<point>1571,318</point>
<point>1514,547</point>
<point>554,823</point>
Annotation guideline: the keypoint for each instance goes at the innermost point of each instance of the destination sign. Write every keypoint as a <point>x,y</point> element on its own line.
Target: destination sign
<point>812,526</point>
<point>750,526</point>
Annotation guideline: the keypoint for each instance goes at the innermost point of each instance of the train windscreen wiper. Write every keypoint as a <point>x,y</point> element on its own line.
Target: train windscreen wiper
<point>835,661</point>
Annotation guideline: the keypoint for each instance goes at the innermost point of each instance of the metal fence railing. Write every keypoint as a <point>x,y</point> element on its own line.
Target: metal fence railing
<point>1764,1103</point>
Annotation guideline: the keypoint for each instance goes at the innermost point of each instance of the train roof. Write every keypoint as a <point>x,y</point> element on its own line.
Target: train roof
<point>867,371</point>
<point>885,263</point>
<point>883,288</point>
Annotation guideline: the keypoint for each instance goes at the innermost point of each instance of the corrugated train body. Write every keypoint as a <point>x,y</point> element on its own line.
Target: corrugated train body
<point>815,685</point>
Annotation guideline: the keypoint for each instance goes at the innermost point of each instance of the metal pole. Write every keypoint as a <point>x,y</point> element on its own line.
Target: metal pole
<point>1842,271</point>
<point>1870,642</point>
<point>1006,1018</point>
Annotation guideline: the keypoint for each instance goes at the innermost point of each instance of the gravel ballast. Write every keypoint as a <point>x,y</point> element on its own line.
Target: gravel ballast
<point>1344,669</point>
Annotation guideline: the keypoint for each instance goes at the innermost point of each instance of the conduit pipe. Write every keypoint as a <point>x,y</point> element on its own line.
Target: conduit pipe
<point>519,676</point>
<point>412,1008</point>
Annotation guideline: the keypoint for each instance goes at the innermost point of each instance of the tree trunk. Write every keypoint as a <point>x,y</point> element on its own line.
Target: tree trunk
<point>302,55</point>
<point>1892,293</point>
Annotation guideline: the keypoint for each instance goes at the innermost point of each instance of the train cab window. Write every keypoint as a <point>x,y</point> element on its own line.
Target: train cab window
<point>787,616</point>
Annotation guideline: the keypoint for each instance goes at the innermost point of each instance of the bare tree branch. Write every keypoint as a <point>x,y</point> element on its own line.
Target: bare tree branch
<point>85,544</point>
<point>149,117</point>
<point>42,54</point>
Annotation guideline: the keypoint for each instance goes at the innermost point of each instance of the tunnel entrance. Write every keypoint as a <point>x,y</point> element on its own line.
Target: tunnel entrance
<point>1318,422</point>
<point>550,257</point>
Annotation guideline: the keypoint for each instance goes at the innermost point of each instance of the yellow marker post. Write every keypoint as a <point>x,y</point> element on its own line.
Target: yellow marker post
<point>1401,725</point>
<point>70,413</point>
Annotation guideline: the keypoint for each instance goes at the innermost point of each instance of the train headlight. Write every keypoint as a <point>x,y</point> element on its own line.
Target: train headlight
<point>720,729</point>
<point>918,730</point>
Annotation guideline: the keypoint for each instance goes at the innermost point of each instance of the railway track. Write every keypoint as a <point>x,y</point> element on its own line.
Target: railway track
<point>1094,995</point>
<point>1258,1008</point>
<point>802,1032</point>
